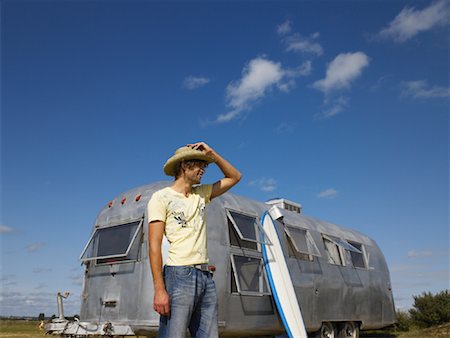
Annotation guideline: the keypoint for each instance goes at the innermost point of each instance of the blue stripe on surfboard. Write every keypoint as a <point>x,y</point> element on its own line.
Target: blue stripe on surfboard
<point>271,282</point>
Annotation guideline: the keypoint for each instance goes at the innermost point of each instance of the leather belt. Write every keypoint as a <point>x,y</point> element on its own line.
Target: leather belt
<point>202,267</point>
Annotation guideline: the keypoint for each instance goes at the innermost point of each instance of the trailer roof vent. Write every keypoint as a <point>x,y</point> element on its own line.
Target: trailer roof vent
<point>285,204</point>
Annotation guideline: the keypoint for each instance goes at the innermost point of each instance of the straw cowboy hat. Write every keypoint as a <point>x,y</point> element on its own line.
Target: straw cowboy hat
<point>183,154</point>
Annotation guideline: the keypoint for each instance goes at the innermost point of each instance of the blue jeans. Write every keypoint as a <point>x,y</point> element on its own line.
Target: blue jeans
<point>193,303</point>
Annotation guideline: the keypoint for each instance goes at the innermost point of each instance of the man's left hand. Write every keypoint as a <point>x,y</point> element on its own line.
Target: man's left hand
<point>204,148</point>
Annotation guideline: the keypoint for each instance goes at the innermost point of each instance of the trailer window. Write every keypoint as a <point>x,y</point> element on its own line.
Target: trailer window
<point>357,258</point>
<point>302,245</point>
<point>112,244</point>
<point>293,253</point>
<point>345,245</point>
<point>333,246</point>
<point>249,276</point>
<point>247,228</point>
<point>333,253</point>
<point>235,239</point>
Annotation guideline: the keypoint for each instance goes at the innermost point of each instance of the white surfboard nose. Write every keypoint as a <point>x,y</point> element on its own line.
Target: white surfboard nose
<point>275,213</point>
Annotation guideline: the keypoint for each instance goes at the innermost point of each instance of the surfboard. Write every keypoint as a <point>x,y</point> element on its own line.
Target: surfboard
<point>280,281</point>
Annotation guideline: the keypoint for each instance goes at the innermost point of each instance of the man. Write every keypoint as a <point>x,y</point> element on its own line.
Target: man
<point>185,294</point>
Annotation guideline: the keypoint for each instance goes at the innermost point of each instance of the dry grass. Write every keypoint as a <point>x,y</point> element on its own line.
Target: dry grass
<point>20,329</point>
<point>23,329</point>
<point>441,331</point>
<point>30,329</point>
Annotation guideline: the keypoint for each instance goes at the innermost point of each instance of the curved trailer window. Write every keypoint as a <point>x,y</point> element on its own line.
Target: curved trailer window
<point>333,247</point>
<point>302,243</point>
<point>246,225</point>
<point>245,230</point>
<point>112,243</point>
<point>358,258</point>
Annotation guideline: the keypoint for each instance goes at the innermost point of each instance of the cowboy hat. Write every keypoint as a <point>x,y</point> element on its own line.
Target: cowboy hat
<point>183,154</point>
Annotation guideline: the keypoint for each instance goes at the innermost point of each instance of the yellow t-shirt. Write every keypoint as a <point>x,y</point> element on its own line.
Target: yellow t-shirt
<point>185,222</point>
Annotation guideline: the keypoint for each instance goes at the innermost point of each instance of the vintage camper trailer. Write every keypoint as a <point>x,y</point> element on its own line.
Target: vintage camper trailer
<point>340,276</point>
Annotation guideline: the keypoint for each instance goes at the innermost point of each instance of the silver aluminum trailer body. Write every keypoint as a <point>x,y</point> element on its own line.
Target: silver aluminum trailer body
<point>339,275</point>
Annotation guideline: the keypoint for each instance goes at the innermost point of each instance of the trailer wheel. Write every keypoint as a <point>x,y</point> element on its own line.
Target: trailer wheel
<point>348,330</point>
<point>327,330</point>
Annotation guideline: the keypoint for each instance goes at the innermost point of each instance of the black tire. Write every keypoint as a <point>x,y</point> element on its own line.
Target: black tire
<point>348,330</point>
<point>327,330</point>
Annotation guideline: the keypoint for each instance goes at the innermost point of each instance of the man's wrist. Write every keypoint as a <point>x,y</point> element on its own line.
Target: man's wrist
<point>159,288</point>
<point>214,156</point>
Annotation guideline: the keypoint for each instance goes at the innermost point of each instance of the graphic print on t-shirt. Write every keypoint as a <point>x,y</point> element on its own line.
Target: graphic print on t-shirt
<point>180,217</point>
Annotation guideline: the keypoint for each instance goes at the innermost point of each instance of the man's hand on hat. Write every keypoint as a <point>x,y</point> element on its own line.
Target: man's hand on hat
<point>204,148</point>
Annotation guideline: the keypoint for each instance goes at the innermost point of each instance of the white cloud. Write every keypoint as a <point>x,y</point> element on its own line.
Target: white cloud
<point>419,254</point>
<point>334,109</point>
<point>345,68</point>
<point>284,28</point>
<point>35,247</point>
<point>298,43</point>
<point>259,76</point>
<point>35,301</point>
<point>4,229</point>
<point>303,70</point>
<point>264,184</point>
<point>290,74</point>
<point>411,22</point>
<point>8,280</point>
<point>329,193</point>
<point>193,82</point>
<point>231,115</point>
<point>421,90</point>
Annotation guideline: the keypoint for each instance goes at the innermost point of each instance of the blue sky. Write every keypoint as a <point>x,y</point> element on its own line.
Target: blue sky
<point>342,106</point>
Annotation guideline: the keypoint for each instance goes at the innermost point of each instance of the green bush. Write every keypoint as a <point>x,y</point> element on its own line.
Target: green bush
<point>431,309</point>
<point>403,321</point>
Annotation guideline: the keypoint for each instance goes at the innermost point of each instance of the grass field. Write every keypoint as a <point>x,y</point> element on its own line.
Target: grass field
<point>20,329</point>
<point>30,329</point>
